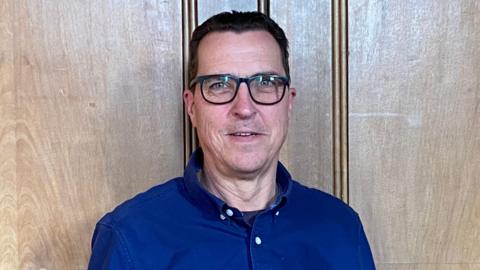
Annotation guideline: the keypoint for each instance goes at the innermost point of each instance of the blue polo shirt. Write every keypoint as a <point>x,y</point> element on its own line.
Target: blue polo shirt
<point>179,225</point>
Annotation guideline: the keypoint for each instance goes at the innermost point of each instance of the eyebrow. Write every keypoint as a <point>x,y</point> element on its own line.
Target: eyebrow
<point>256,74</point>
<point>236,76</point>
<point>266,73</point>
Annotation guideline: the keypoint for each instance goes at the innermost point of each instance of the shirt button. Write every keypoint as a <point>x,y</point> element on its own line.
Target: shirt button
<point>258,240</point>
<point>222,217</point>
<point>277,213</point>
<point>229,212</point>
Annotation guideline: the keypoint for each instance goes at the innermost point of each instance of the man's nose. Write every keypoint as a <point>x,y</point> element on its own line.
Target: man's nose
<point>243,106</point>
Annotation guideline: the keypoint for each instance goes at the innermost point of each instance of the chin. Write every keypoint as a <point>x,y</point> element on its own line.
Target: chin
<point>248,164</point>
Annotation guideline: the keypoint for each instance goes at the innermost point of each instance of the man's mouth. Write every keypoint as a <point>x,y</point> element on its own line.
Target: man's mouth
<point>243,134</point>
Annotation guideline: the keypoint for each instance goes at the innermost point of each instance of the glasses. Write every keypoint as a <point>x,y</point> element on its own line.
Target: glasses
<point>265,89</point>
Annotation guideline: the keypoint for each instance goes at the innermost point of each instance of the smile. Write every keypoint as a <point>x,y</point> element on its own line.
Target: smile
<point>243,134</point>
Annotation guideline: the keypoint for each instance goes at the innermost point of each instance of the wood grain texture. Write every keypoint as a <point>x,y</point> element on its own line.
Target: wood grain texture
<point>97,119</point>
<point>428,266</point>
<point>415,130</point>
<point>208,8</point>
<point>308,149</point>
<point>8,153</point>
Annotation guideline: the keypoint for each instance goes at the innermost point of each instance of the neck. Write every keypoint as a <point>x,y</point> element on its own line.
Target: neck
<point>245,194</point>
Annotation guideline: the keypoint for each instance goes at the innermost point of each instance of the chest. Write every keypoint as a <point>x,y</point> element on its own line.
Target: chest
<point>267,244</point>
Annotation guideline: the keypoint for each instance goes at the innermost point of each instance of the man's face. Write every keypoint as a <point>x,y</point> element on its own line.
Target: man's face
<point>239,138</point>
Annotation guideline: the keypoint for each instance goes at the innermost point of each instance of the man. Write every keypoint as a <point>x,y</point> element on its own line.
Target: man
<point>236,207</point>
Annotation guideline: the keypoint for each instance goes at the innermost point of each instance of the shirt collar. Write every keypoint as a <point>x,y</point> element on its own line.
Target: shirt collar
<point>213,205</point>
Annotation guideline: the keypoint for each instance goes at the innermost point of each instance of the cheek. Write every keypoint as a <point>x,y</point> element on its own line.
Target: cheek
<point>280,120</point>
<point>209,130</point>
<point>279,127</point>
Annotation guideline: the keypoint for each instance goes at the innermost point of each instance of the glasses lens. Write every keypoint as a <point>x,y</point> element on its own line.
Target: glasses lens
<point>219,89</point>
<point>267,88</point>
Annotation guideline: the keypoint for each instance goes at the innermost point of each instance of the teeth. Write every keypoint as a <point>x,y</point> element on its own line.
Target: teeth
<point>242,134</point>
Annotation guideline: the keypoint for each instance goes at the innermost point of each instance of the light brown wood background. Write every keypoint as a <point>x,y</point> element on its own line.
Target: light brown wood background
<point>414,136</point>
<point>307,151</point>
<point>91,114</point>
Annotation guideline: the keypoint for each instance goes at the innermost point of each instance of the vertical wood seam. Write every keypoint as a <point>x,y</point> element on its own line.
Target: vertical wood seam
<point>189,22</point>
<point>15,134</point>
<point>340,99</point>
<point>263,6</point>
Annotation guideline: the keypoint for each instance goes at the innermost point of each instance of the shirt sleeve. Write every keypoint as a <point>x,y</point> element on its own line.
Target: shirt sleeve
<point>109,250</point>
<point>364,253</point>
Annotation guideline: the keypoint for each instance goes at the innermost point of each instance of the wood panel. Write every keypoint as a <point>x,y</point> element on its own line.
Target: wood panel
<point>428,266</point>
<point>208,8</point>
<point>91,92</point>
<point>415,130</point>
<point>308,149</point>
<point>8,155</point>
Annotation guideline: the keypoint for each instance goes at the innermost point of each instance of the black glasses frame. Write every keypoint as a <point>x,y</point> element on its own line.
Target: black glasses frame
<point>239,80</point>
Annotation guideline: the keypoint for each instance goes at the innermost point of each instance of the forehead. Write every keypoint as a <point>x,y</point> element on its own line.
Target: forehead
<point>242,54</point>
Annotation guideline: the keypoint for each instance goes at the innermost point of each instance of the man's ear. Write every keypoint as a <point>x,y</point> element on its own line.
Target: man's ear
<point>292,92</point>
<point>188,99</point>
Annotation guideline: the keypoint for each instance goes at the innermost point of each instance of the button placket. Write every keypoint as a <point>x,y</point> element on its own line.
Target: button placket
<point>257,230</point>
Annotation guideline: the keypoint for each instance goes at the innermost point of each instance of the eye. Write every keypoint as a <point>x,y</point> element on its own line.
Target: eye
<point>266,81</point>
<point>217,85</point>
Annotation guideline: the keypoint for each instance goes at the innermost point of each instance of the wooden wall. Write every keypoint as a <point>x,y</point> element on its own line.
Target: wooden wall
<point>91,114</point>
<point>307,150</point>
<point>414,135</point>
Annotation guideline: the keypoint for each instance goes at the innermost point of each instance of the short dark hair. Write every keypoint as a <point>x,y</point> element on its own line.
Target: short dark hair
<point>237,22</point>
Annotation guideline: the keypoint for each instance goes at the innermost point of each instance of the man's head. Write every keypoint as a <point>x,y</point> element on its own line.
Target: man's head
<point>239,97</point>
<point>236,22</point>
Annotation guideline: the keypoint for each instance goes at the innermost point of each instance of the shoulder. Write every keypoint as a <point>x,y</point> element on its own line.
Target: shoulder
<point>324,205</point>
<point>323,216</point>
<point>330,225</point>
<point>145,204</point>
<point>119,234</point>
